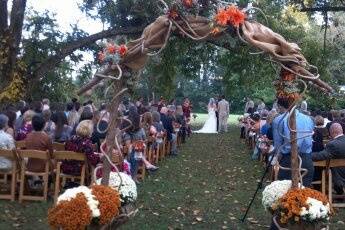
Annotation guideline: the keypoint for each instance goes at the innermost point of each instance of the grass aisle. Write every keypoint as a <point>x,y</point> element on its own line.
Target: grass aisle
<point>206,187</point>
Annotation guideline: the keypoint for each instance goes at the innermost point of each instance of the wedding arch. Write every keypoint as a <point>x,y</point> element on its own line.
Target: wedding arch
<point>122,63</point>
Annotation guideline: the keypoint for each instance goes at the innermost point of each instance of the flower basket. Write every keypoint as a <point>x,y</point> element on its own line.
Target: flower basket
<point>128,211</point>
<point>299,226</point>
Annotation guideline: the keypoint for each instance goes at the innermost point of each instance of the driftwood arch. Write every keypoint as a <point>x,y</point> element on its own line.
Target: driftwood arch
<point>176,22</point>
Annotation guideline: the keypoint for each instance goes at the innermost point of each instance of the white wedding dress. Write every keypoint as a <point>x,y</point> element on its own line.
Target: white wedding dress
<point>210,125</point>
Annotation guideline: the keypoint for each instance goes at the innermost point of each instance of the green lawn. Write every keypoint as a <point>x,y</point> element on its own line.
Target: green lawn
<point>208,186</point>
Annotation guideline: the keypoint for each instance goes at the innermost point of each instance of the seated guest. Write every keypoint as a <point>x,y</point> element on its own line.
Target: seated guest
<point>20,119</point>
<point>336,118</point>
<point>182,123</point>
<point>266,129</point>
<point>281,139</point>
<point>6,142</point>
<point>49,127</point>
<point>100,122</point>
<point>73,117</point>
<point>136,135</point>
<point>81,142</point>
<point>37,107</point>
<point>62,131</point>
<point>12,116</point>
<point>38,140</point>
<point>156,117</point>
<point>147,124</point>
<point>26,126</point>
<point>318,134</point>
<point>168,126</point>
<point>335,149</point>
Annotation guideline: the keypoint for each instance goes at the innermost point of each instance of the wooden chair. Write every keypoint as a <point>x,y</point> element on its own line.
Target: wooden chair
<point>11,155</point>
<point>20,145</point>
<point>58,146</point>
<point>59,156</point>
<point>322,182</point>
<point>35,154</point>
<point>334,163</point>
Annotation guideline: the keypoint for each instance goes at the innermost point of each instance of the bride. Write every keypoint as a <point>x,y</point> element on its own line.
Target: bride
<point>210,125</point>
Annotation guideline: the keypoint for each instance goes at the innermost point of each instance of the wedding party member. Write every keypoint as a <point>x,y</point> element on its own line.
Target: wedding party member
<point>249,107</point>
<point>187,111</point>
<point>281,139</point>
<point>224,112</point>
<point>38,140</point>
<point>6,142</point>
<point>46,103</point>
<point>261,106</point>
<point>334,150</point>
<point>210,126</point>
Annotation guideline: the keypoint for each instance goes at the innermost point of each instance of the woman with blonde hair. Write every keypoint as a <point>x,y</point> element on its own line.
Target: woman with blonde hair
<point>81,142</point>
<point>27,125</point>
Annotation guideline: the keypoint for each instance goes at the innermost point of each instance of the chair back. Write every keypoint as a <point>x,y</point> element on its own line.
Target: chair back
<point>35,154</point>
<point>334,163</point>
<point>58,146</point>
<point>20,145</point>
<point>10,154</point>
<point>69,155</point>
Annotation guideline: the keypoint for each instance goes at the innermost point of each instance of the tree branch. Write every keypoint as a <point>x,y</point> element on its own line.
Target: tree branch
<point>70,47</point>
<point>322,9</point>
<point>3,16</point>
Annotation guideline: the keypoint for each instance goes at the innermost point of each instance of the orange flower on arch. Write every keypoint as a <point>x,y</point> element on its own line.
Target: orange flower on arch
<point>236,16</point>
<point>173,14</point>
<point>111,48</point>
<point>188,3</point>
<point>123,50</point>
<point>222,17</point>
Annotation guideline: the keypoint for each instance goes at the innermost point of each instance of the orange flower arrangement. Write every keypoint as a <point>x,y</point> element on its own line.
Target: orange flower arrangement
<point>294,200</point>
<point>188,3</point>
<point>123,50</point>
<point>172,14</point>
<point>230,16</point>
<point>215,31</point>
<point>70,215</point>
<point>109,202</point>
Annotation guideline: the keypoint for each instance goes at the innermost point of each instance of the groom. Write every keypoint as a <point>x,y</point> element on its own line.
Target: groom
<point>223,113</point>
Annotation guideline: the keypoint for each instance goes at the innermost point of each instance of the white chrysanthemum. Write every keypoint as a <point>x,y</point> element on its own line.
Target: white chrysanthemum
<point>92,202</point>
<point>317,210</point>
<point>128,189</point>
<point>274,191</point>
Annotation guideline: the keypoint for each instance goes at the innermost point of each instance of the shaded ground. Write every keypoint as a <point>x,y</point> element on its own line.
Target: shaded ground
<point>206,187</point>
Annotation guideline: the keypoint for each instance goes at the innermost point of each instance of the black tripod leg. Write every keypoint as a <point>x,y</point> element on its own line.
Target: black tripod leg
<point>257,189</point>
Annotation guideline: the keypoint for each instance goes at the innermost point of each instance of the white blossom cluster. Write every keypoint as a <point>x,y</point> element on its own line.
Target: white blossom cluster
<point>92,202</point>
<point>316,210</point>
<point>273,192</point>
<point>128,189</point>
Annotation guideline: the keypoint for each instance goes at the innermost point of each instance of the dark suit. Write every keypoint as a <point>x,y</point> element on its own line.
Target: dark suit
<point>335,149</point>
<point>167,124</point>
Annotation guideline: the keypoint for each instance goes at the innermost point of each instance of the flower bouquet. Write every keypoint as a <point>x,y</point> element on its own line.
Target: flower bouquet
<point>125,185</point>
<point>298,208</point>
<point>82,207</point>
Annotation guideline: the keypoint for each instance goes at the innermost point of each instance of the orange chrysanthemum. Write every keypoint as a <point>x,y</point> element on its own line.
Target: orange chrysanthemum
<point>236,16</point>
<point>173,14</point>
<point>111,48</point>
<point>123,50</point>
<point>109,202</point>
<point>70,215</point>
<point>188,3</point>
<point>215,31</point>
<point>294,200</point>
<point>222,17</point>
